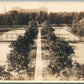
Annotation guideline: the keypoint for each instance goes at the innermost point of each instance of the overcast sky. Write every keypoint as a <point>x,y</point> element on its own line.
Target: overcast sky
<point>52,6</point>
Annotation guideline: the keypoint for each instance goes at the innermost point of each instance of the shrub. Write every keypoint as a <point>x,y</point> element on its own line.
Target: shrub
<point>4,75</point>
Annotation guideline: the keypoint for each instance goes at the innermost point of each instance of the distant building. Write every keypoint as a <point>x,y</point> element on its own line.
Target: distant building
<point>44,9</point>
<point>17,9</point>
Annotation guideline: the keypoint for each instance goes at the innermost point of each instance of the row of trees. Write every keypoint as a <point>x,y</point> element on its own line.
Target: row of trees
<point>61,63</point>
<point>78,25</point>
<point>22,18</point>
<point>60,52</point>
<point>18,58</point>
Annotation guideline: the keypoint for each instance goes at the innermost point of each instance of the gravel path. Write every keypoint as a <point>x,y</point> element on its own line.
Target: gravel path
<point>38,66</point>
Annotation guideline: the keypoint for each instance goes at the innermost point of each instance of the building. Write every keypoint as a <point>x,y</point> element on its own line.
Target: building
<point>44,9</point>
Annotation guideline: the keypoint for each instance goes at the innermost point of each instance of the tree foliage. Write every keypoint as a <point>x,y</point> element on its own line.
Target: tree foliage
<point>18,57</point>
<point>22,18</point>
<point>77,25</point>
<point>60,51</point>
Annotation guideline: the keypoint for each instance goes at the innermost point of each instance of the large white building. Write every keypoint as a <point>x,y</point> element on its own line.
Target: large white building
<point>44,9</point>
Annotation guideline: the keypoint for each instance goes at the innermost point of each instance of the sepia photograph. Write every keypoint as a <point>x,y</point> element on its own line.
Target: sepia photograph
<point>41,41</point>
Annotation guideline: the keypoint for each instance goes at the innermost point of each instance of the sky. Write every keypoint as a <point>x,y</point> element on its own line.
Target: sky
<point>52,6</point>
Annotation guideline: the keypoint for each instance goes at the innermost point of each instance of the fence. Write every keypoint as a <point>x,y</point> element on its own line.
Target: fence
<point>10,34</point>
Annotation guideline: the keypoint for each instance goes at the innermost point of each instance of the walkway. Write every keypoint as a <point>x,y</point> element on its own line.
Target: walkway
<point>38,66</point>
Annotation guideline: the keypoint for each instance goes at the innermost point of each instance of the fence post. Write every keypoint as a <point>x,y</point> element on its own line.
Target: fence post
<point>6,37</point>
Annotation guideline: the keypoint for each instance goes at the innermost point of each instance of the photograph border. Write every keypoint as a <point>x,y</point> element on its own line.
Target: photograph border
<point>40,82</point>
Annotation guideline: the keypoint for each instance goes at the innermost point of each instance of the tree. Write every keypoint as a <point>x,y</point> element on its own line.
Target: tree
<point>18,57</point>
<point>42,16</point>
<point>60,51</point>
<point>51,18</point>
<point>75,23</point>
